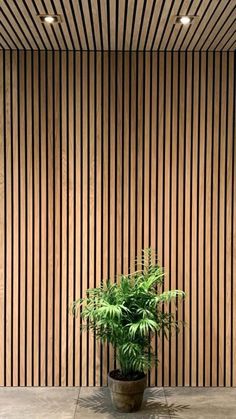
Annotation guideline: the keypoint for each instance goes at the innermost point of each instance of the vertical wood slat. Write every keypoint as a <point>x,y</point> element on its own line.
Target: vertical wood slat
<point>15,203</point>
<point>57,200</point>
<point>233,247</point>
<point>201,278</point>
<point>194,215</point>
<point>91,204</point>
<point>36,254</point>
<point>166,198</point>
<point>215,169</point>
<point>229,234</point>
<point>98,188</point>
<point>132,162</point>
<point>50,220</point>
<point>22,272</point>
<point>70,209</point>
<point>146,160</point>
<point>153,93</point>
<point>119,162</point>
<point>222,225</point>
<point>126,160</point>
<point>105,196</point>
<point>29,222</point>
<point>2,221</point>
<point>160,182</point>
<point>112,168</point>
<point>181,280</point>
<point>187,87</point>
<point>9,180</point>
<point>77,209</point>
<point>84,209</point>
<point>43,219</point>
<point>101,155</point>
<point>64,214</point>
<point>208,217</point>
<point>173,195</point>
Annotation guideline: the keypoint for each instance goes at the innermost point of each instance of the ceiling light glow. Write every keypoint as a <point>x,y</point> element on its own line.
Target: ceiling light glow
<point>49,19</point>
<point>185,20</point>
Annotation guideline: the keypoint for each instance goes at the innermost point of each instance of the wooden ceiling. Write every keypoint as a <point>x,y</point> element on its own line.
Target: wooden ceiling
<point>118,25</point>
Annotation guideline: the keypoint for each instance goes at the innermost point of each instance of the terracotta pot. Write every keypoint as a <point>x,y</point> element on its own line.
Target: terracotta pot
<point>127,396</point>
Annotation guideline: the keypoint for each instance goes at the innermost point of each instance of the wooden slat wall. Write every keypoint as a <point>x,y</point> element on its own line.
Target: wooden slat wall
<point>118,25</point>
<point>101,155</point>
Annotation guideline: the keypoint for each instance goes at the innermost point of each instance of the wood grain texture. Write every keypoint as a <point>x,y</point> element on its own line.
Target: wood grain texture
<point>102,154</point>
<point>118,25</point>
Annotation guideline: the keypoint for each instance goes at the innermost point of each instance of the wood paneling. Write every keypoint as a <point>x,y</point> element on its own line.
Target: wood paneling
<point>101,155</point>
<point>118,25</point>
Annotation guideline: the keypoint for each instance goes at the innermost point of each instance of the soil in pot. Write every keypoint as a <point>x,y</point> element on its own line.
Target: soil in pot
<point>126,394</point>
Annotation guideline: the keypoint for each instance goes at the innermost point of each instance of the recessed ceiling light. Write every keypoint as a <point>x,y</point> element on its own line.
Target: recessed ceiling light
<point>50,19</point>
<point>185,20</point>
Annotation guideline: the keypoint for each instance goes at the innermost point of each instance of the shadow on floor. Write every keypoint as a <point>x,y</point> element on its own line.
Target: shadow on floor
<point>152,407</point>
<point>162,409</point>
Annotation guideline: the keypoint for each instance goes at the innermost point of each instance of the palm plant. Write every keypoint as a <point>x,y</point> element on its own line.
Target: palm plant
<point>129,312</point>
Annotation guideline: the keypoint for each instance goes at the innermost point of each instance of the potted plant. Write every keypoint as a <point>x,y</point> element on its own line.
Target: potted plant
<point>127,314</point>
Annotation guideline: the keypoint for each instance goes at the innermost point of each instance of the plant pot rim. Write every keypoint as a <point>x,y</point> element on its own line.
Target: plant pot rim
<point>126,381</point>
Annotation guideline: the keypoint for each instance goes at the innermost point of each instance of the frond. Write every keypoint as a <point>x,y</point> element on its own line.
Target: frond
<point>167,296</point>
<point>143,327</point>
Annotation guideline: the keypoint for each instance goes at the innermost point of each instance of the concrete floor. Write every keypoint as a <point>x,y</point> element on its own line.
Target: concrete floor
<point>85,403</point>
